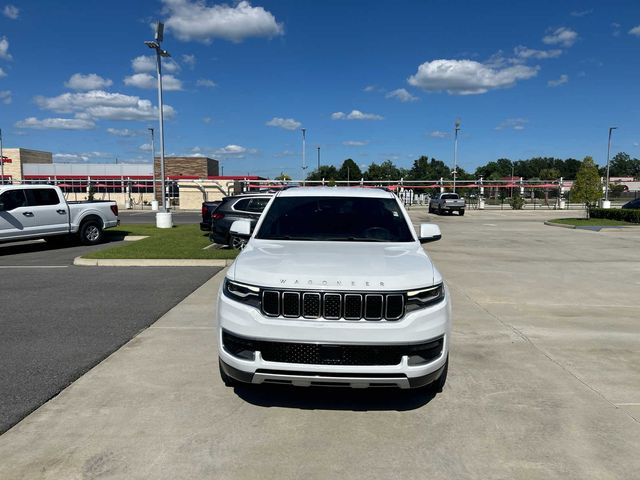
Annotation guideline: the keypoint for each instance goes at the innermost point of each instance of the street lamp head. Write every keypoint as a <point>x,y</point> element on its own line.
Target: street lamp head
<point>164,53</point>
<point>457,123</point>
<point>152,44</point>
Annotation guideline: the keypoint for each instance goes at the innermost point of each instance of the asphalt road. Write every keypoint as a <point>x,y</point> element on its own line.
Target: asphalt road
<point>57,320</point>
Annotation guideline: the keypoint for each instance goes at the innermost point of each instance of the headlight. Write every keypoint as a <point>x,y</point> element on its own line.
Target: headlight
<point>242,293</point>
<point>425,297</point>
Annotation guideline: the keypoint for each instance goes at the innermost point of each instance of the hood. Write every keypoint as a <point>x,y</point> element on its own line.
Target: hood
<point>334,265</point>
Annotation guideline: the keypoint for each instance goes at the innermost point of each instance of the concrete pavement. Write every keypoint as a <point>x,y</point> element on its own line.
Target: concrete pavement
<point>544,383</point>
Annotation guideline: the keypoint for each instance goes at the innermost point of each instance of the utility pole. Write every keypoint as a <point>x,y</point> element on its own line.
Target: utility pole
<point>318,159</point>
<point>304,148</point>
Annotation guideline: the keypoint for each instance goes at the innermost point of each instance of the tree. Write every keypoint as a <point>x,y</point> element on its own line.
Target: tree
<point>549,174</point>
<point>349,171</point>
<point>328,172</point>
<point>622,165</point>
<point>587,188</point>
<point>425,169</point>
<point>385,171</point>
<point>283,177</point>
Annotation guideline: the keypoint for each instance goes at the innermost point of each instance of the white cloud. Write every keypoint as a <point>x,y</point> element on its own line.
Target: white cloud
<point>5,96</point>
<point>526,53</point>
<point>145,80</point>
<point>635,31</point>
<point>101,105</point>
<point>2,73</point>
<point>11,11</point>
<point>286,123</point>
<point>146,147</point>
<point>355,143</point>
<point>122,132</point>
<point>581,13</point>
<point>205,82</point>
<point>207,120</point>
<point>560,81</point>
<point>402,95</point>
<point>355,115</point>
<point>234,151</point>
<point>147,64</point>
<point>196,21</point>
<point>56,123</point>
<point>4,49</point>
<point>467,77</point>
<point>370,88</point>
<point>189,59</point>
<point>438,134</point>
<point>562,36</point>
<point>87,82</point>
<point>513,124</point>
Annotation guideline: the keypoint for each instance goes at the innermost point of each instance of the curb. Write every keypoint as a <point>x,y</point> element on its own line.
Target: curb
<point>149,262</point>
<point>561,225</point>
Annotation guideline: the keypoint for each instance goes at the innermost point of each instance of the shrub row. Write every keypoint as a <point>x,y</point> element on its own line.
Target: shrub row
<point>626,215</point>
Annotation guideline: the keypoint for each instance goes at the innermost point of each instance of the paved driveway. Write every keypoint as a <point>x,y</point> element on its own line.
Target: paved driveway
<point>544,383</point>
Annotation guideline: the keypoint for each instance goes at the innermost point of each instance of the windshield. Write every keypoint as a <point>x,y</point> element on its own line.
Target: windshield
<point>335,219</point>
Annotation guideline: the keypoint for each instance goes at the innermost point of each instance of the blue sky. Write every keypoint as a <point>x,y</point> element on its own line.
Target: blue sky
<point>370,80</point>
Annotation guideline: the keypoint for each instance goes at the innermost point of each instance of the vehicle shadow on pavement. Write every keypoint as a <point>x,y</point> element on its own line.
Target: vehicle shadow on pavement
<point>338,398</point>
<point>32,246</point>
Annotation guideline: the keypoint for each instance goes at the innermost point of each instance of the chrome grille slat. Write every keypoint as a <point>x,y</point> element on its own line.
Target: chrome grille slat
<point>350,306</point>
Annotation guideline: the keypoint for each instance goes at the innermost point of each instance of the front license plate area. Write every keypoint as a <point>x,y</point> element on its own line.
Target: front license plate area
<point>330,353</point>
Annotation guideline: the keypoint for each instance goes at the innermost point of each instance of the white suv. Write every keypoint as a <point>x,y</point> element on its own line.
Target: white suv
<point>334,288</point>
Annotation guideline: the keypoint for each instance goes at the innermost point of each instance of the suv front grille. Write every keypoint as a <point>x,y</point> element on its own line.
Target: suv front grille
<point>333,305</point>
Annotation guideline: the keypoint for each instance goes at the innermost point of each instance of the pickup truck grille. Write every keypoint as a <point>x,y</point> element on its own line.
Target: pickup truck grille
<point>333,305</point>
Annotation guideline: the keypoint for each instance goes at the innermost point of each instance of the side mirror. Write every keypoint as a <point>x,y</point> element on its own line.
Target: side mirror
<point>429,232</point>
<point>241,228</point>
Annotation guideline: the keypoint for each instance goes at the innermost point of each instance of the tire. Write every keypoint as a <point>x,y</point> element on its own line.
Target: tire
<point>91,232</point>
<point>439,212</point>
<point>226,379</point>
<point>461,212</point>
<point>430,210</point>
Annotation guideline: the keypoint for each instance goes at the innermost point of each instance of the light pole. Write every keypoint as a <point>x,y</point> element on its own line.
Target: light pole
<point>153,162</point>
<point>163,218</point>
<point>304,148</point>
<point>455,154</point>
<point>606,185</point>
<point>318,159</point>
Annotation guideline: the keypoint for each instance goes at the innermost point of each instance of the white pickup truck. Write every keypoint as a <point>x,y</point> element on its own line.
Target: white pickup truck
<point>30,212</point>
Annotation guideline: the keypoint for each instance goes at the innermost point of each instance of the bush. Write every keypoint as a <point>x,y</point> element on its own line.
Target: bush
<point>516,202</point>
<point>624,214</point>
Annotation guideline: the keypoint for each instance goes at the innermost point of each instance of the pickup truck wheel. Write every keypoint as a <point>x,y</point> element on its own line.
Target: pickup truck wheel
<point>91,232</point>
<point>461,212</point>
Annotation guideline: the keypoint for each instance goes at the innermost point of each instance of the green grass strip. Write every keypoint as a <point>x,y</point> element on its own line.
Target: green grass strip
<point>181,241</point>
<point>591,222</point>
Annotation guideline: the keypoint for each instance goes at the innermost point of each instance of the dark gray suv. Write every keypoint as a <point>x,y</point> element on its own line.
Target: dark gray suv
<point>237,207</point>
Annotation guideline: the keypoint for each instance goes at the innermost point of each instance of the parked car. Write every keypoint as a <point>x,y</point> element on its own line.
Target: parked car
<point>207,210</point>
<point>633,204</point>
<point>446,203</point>
<point>334,289</point>
<point>41,211</point>
<point>236,207</point>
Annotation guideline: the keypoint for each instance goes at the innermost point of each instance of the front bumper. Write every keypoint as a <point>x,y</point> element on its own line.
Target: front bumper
<point>415,328</point>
